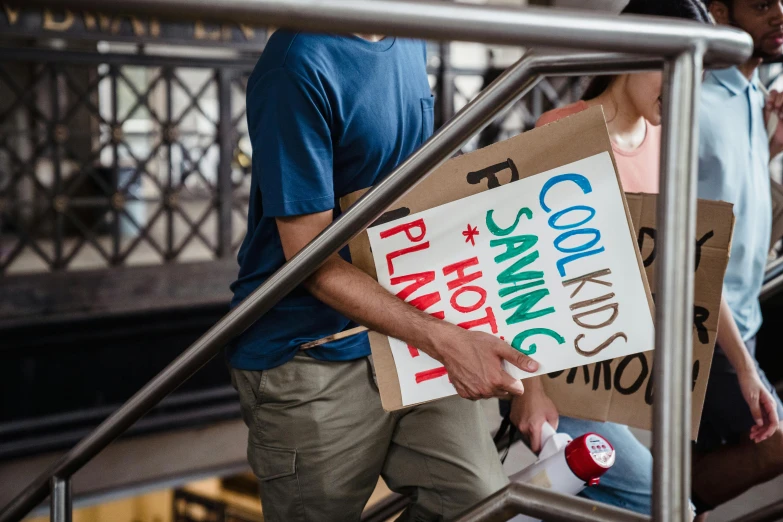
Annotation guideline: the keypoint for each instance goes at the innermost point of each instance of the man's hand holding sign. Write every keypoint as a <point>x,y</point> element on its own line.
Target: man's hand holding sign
<point>473,359</point>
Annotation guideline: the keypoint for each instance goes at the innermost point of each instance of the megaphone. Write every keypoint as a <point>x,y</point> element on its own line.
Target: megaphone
<point>567,465</point>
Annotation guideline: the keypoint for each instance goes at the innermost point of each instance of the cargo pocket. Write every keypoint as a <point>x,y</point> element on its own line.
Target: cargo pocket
<point>271,463</point>
<point>427,117</point>
<point>275,469</point>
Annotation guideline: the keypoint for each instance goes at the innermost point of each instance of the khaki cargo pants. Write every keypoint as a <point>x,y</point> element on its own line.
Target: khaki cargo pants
<point>319,439</point>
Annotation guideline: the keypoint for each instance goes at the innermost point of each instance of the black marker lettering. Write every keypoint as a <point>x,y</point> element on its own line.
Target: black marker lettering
<point>637,384</point>
<point>489,173</point>
<point>391,215</point>
<point>700,315</point>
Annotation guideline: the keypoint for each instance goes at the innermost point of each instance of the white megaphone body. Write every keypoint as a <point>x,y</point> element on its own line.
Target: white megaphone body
<point>566,465</point>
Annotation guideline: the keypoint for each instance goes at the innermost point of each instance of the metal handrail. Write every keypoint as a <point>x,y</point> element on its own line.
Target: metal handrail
<point>542,503</point>
<point>773,280</point>
<point>770,513</point>
<point>683,45</point>
<point>773,269</point>
<point>543,27</point>
<point>771,288</point>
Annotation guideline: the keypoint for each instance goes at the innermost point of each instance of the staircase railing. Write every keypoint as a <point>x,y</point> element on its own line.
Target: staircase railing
<point>545,504</point>
<point>773,280</point>
<point>682,48</point>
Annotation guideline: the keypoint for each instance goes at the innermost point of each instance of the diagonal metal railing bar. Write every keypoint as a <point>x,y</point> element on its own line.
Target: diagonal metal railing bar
<point>542,503</point>
<point>773,280</point>
<point>506,89</point>
<point>770,513</point>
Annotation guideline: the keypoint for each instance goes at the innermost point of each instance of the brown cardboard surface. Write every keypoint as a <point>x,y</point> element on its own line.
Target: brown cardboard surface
<point>565,141</point>
<point>621,390</point>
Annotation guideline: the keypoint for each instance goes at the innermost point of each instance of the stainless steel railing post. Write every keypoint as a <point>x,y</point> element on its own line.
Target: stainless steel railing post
<point>61,507</point>
<point>674,289</point>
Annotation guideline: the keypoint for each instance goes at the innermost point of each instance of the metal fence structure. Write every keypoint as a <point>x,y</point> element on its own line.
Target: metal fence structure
<point>118,160</point>
<point>132,159</point>
<point>682,47</point>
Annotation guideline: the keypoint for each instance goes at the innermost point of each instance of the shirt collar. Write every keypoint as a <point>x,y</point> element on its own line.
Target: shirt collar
<point>733,80</point>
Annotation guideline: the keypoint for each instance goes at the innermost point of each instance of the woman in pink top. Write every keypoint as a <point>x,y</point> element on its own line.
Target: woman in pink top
<point>632,107</point>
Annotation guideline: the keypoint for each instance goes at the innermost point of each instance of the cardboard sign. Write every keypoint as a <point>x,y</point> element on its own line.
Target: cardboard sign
<point>546,263</point>
<point>571,139</point>
<point>622,390</point>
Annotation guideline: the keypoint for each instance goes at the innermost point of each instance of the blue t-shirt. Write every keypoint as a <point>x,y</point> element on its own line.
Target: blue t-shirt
<point>327,115</point>
<point>734,167</point>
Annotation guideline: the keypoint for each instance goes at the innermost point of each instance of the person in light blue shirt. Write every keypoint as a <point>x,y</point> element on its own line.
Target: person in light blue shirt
<point>737,171</point>
<point>740,433</point>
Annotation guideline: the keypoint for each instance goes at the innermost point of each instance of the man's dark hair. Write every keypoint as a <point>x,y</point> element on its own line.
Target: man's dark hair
<point>686,9</point>
<point>727,3</point>
<point>710,2</point>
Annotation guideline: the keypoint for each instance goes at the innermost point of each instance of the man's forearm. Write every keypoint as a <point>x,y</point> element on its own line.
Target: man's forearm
<point>730,340</point>
<point>359,297</point>
<point>534,385</point>
<point>473,359</point>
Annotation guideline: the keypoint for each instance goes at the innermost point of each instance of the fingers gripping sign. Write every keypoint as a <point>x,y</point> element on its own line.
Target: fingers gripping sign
<point>474,362</point>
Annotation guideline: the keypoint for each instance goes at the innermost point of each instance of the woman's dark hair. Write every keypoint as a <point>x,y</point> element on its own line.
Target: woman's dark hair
<point>687,9</point>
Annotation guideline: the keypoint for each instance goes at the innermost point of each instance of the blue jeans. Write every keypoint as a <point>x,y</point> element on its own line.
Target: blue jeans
<point>627,484</point>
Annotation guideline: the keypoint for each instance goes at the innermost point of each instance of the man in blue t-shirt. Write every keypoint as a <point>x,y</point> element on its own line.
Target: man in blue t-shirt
<point>740,442</point>
<point>329,115</point>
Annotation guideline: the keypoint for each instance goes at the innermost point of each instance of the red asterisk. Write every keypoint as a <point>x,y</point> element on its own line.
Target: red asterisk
<point>470,234</point>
